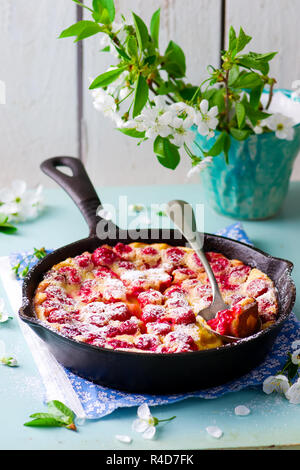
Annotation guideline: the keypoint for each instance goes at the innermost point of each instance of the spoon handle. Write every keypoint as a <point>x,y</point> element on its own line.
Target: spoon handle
<point>182,215</point>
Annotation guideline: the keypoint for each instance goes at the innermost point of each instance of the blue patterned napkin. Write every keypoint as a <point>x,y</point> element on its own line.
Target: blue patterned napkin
<point>98,401</point>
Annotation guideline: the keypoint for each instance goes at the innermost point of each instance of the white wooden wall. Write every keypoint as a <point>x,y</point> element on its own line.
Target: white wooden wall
<point>44,94</point>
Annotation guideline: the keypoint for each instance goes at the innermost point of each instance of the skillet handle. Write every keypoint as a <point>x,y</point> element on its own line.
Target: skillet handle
<point>78,186</point>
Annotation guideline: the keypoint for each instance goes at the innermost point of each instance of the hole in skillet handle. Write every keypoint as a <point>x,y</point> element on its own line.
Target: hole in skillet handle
<point>77,185</point>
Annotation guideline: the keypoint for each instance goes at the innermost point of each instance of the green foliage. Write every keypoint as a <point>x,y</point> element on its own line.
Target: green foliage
<point>235,87</point>
<point>59,415</point>
<point>5,226</point>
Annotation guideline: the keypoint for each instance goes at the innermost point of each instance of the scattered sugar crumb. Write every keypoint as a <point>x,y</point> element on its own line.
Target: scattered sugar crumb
<point>214,431</point>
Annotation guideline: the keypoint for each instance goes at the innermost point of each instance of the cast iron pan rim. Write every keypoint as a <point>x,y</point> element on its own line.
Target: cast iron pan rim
<point>280,320</point>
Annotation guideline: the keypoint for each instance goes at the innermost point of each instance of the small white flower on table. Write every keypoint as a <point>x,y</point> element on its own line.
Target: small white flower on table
<point>146,423</point>
<point>241,410</point>
<point>276,383</point>
<point>20,203</point>
<point>295,357</point>
<point>293,393</point>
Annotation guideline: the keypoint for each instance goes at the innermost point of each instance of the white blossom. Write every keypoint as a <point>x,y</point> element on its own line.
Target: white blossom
<point>281,125</point>
<point>293,393</point>
<point>19,203</point>
<point>145,423</point>
<point>206,119</point>
<point>104,102</point>
<point>9,361</point>
<point>296,357</point>
<point>277,383</point>
<point>182,133</point>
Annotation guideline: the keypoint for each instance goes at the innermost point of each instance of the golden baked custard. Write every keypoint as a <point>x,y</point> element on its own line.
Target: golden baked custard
<point>146,297</point>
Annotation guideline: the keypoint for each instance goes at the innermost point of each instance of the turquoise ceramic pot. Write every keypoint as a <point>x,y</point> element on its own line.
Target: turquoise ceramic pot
<point>255,182</point>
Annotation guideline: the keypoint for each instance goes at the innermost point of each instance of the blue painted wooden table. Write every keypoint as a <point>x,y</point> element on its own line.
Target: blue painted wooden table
<point>273,421</point>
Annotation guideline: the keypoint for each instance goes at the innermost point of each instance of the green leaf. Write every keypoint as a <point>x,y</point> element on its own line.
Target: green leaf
<point>141,32</point>
<point>106,78</point>
<point>233,74</point>
<point>239,134</point>
<point>140,95</point>
<point>247,80</point>
<point>218,146</point>
<point>292,370</point>
<point>242,40</point>
<point>132,132</point>
<point>174,60</point>
<point>166,152</point>
<point>250,63</point>
<point>240,114</point>
<point>122,53</point>
<point>61,411</point>
<point>265,57</point>
<point>49,422</point>
<point>255,95</point>
<point>232,39</point>
<point>104,11</point>
<point>81,30</point>
<point>132,47</point>
<point>154,27</point>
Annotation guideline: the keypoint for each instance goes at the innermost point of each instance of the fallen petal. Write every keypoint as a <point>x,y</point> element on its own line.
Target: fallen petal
<point>241,410</point>
<point>214,431</point>
<point>123,438</point>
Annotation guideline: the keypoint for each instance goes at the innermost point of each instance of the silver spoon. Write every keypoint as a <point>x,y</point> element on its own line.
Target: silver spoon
<point>182,215</point>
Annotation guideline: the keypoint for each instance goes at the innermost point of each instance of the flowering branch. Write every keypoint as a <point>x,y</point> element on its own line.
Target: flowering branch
<point>147,96</point>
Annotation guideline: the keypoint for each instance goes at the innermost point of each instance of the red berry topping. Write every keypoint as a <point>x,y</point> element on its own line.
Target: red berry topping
<point>152,313</point>
<point>175,256</point>
<point>125,265</point>
<point>183,316</point>
<point>128,328</point>
<point>119,344</point>
<point>149,251</point>
<point>159,328</point>
<point>118,311</point>
<point>122,250</point>
<point>257,287</point>
<point>147,342</point>
<point>84,260</point>
<point>58,316</point>
<point>103,273</point>
<point>104,256</point>
<point>150,296</point>
<point>71,274</point>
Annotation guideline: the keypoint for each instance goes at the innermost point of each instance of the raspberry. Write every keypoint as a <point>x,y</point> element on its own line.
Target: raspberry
<point>98,320</point>
<point>152,313</point>
<point>122,250</point>
<point>119,311</point>
<point>219,265</point>
<point>257,287</point>
<point>150,296</point>
<point>125,265</point>
<point>175,290</point>
<point>119,344</point>
<point>88,293</point>
<point>183,273</point>
<point>184,316</point>
<point>112,331</point>
<point>104,273</point>
<point>71,274</point>
<point>147,342</point>
<point>128,328</point>
<point>159,328</point>
<point>104,256</point>
<point>175,256</point>
<point>84,260</point>
<point>58,316</point>
<point>149,251</point>
<point>70,331</point>
<point>100,342</point>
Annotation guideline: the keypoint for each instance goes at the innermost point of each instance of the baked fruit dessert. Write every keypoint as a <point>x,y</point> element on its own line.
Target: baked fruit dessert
<point>147,297</point>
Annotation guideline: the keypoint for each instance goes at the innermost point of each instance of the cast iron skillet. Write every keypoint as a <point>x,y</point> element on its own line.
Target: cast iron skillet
<point>143,372</point>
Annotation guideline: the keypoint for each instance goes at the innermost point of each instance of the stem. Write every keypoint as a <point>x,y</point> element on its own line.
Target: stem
<point>270,94</point>
<point>227,96</point>
<point>168,419</point>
